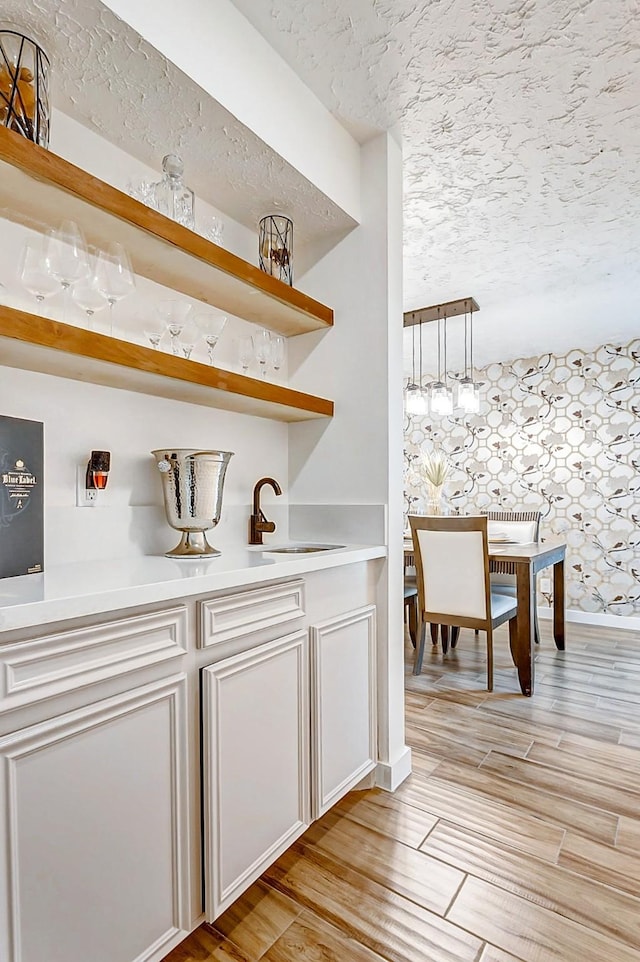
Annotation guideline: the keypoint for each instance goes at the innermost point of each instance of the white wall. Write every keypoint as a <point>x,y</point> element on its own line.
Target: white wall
<point>211,42</point>
<point>81,417</point>
<point>357,457</point>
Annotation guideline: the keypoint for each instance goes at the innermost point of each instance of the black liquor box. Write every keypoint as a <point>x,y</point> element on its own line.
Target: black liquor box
<point>21,497</point>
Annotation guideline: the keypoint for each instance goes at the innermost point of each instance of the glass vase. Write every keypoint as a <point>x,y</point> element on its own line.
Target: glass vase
<point>24,85</point>
<point>435,499</point>
<point>275,247</point>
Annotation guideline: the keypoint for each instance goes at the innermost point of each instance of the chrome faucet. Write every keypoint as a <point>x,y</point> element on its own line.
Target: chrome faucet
<point>258,524</point>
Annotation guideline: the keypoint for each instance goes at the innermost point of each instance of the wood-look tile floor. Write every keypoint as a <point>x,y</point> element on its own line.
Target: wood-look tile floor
<point>516,837</point>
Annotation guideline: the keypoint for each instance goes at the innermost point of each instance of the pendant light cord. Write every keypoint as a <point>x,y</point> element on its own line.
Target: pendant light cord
<point>466,354</point>
<point>471,342</point>
<point>439,346</point>
<point>413,349</point>
<point>445,349</point>
<point>420,384</point>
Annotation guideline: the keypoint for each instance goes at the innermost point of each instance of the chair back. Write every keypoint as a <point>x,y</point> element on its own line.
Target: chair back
<point>452,566</point>
<point>520,526</point>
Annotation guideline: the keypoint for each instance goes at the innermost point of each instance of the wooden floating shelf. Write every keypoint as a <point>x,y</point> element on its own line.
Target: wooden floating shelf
<point>40,189</point>
<point>36,343</point>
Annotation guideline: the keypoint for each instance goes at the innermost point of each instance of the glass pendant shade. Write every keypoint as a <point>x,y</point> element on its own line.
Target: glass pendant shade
<point>420,403</point>
<point>414,401</point>
<point>441,398</point>
<point>468,396</point>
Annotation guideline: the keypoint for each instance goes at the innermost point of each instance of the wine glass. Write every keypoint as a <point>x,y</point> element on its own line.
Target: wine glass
<point>87,295</point>
<point>115,278</point>
<point>174,314</point>
<point>262,349</point>
<point>66,256</point>
<point>245,351</point>
<point>211,326</point>
<point>278,351</point>
<point>35,273</point>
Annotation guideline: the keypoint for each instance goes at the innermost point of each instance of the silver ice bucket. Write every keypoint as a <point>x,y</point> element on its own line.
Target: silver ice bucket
<point>192,483</point>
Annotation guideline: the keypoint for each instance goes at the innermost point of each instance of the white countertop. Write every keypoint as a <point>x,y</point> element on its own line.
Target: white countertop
<point>76,590</point>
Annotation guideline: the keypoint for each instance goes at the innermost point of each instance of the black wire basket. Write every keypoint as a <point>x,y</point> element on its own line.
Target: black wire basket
<point>275,247</point>
<point>24,86</point>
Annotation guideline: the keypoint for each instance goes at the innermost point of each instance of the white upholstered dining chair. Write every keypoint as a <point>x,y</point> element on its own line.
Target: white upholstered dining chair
<point>452,567</point>
<point>521,527</point>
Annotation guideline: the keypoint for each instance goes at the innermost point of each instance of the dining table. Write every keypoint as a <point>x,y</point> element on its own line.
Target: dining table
<point>528,559</point>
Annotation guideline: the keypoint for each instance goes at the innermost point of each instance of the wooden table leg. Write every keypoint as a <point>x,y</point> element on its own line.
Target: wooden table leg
<point>521,640</point>
<point>558,604</point>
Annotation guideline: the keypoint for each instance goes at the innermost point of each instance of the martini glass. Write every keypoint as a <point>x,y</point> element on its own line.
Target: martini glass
<point>211,327</point>
<point>174,316</point>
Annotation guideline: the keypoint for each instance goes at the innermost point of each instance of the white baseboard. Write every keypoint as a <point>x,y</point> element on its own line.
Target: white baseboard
<point>389,776</point>
<point>595,618</point>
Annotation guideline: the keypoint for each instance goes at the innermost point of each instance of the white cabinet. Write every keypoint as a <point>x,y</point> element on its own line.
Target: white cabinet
<point>93,834</point>
<point>343,725</point>
<point>255,763</point>
<point>103,745</point>
<point>94,818</point>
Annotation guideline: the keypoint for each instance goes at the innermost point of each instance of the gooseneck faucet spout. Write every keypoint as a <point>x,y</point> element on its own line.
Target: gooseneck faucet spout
<point>258,524</point>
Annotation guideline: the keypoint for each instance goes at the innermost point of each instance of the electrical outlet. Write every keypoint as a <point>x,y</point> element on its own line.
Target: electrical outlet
<point>545,586</point>
<point>84,498</point>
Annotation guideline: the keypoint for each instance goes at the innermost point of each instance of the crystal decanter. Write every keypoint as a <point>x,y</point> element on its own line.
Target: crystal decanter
<point>171,195</point>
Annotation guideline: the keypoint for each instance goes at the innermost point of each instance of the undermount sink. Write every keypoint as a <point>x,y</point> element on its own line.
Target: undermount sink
<point>303,548</point>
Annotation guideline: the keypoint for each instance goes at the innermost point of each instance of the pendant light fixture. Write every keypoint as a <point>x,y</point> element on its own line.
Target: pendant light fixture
<point>468,390</point>
<point>440,393</point>
<point>441,399</point>
<point>413,393</point>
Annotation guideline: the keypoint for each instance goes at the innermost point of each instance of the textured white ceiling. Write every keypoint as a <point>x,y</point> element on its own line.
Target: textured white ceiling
<point>521,130</point>
<point>111,80</point>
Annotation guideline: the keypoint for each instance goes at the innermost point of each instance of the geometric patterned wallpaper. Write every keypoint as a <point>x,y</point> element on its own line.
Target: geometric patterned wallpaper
<point>558,434</point>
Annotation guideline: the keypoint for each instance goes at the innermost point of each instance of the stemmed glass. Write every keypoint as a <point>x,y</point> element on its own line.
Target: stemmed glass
<point>154,338</point>
<point>114,276</point>
<point>188,339</point>
<point>174,314</point>
<point>278,351</point>
<point>35,272</point>
<point>262,349</point>
<point>211,327</point>
<point>245,351</point>
<point>86,294</point>
<point>66,256</point>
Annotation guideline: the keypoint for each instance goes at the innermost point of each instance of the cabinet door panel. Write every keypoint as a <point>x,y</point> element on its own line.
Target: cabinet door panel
<point>343,726</point>
<point>95,865</point>
<point>255,732</point>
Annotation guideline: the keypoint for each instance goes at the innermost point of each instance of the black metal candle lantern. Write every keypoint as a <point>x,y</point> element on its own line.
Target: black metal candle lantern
<point>276,247</point>
<point>24,86</point>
